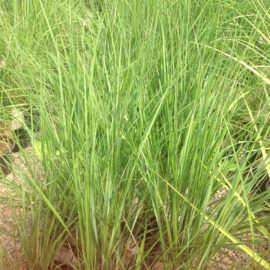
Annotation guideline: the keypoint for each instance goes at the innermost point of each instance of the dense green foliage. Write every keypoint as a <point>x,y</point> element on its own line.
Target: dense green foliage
<point>140,112</point>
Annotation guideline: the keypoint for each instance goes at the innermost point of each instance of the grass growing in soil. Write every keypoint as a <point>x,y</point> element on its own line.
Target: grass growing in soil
<point>139,113</point>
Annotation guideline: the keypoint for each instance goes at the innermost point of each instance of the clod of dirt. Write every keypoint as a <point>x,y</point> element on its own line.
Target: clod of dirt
<point>17,119</point>
<point>65,256</point>
<point>158,266</point>
<point>6,146</point>
<point>8,134</point>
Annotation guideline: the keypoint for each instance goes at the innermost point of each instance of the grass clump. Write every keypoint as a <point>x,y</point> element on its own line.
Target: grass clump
<point>139,113</point>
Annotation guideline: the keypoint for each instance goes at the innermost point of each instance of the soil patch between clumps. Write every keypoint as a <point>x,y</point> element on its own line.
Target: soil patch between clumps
<point>11,209</point>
